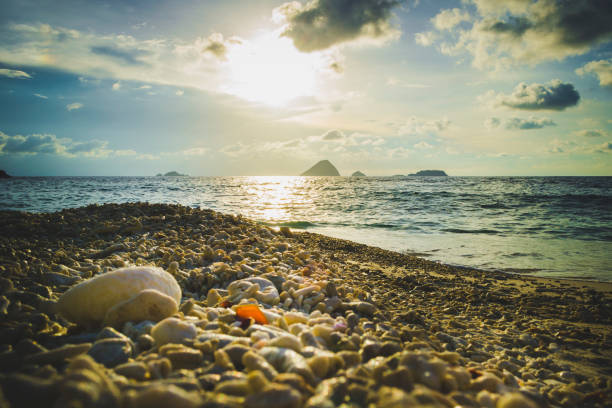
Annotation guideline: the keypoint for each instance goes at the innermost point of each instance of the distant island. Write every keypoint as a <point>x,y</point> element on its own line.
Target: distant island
<point>172,174</point>
<point>4,174</point>
<point>429,173</point>
<point>322,168</point>
<point>358,174</point>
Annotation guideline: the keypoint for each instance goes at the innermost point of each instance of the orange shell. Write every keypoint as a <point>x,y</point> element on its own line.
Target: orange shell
<point>251,311</point>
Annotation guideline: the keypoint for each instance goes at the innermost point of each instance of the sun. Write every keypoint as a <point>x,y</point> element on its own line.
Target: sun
<point>269,70</point>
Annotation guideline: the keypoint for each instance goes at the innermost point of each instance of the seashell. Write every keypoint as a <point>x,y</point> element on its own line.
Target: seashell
<point>246,312</point>
<point>88,302</point>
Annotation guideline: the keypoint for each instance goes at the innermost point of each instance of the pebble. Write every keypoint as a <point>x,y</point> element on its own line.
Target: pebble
<point>111,351</point>
<point>173,330</point>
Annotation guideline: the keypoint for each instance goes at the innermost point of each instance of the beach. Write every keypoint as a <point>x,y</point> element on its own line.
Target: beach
<point>344,323</point>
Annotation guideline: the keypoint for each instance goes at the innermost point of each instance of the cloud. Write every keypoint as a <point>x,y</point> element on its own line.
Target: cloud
<point>492,123</point>
<point>195,151</point>
<point>504,33</point>
<point>218,46</point>
<point>605,147</point>
<point>74,106</point>
<point>602,69</point>
<point>36,144</point>
<point>426,38</point>
<point>128,56</point>
<point>526,124</point>
<point>448,19</point>
<point>573,147</point>
<point>92,57</point>
<point>423,145</point>
<point>179,92</point>
<point>321,24</point>
<point>555,95</point>
<point>417,127</point>
<point>14,73</point>
<point>592,133</point>
<point>333,135</point>
<point>41,96</point>
<point>116,86</point>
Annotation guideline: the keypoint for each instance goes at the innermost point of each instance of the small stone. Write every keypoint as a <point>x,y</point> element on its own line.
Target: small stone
<point>515,400</point>
<point>164,396</point>
<point>136,370</point>
<point>173,330</point>
<point>185,357</point>
<point>275,395</point>
<point>111,352</point>
<point>59,354</point>
<point>487,382</point>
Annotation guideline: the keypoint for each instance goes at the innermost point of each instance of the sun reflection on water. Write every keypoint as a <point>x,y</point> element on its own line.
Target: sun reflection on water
<point>278,198</point>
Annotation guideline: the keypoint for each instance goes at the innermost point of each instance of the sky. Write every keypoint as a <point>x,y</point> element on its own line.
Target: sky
<point>211,88</point>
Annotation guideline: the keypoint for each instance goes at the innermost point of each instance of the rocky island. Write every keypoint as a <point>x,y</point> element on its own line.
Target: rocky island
<point>172,174</point>
<point>322,168</point>
<point>4,174</point>
<point>140,305</point>
<point>358,174</point>
<point>430,173</point>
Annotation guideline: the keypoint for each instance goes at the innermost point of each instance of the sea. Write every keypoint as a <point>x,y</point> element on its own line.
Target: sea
<point>544,226</point>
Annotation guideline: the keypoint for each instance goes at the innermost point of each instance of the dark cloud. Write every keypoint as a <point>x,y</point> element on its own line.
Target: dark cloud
<point>216,48</point>
<point>553,96</point>
<point>31,144</point>
<point>582,22</point>
<point>515,26</point>
<point>526,124</point>
<point>129,57</point>
<point>333,135</point>
<point>321,24</point>
<point>592,133</point>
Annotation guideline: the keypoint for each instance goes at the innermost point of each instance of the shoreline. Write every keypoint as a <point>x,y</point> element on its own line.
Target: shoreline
<point>540,341</point>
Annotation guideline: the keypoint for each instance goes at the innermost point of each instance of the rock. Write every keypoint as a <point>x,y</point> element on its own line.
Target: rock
<point>429,173</point>
<point>88,302</point>
<point>164,396</point>
<point>27,391</point>
<point>4,174</point>
<point>136,370</point>
<point>275,395</point>
<point>172,330</point>
<point>59,354</point>
<point>149,304</point>
<point>322,168</point>
<point>515,400</point>
<point>111,352</point>
<point>358,174</point>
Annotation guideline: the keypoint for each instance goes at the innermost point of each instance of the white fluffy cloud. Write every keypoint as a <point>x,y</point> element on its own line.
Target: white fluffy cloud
<point>14,73</point>
<point>602,69</point>
<point>197,63</point>
<point>503,33</point>
<point>418,127</point>
<point>74,106</point>
<point>448,19</point>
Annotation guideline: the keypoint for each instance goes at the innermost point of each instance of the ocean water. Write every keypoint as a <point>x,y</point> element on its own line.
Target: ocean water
<point>544,226</point>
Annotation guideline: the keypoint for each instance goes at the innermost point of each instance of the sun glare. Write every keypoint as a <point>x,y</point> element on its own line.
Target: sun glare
<point>270,70</point>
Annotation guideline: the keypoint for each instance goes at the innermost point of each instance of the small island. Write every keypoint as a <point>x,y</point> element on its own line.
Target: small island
<point>171,174</point>
<point>322,168</point>
<point>430,173</point>
<point>4,174</point>
<point>358,174</point>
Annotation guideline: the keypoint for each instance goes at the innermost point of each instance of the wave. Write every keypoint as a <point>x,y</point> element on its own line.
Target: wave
<point>464,231</point>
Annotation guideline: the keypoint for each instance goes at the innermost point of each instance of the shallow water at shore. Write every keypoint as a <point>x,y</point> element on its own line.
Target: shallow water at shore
<point>547,226</point>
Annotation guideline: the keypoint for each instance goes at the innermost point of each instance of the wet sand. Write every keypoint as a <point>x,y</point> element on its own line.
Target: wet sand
<point>363,326</point>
